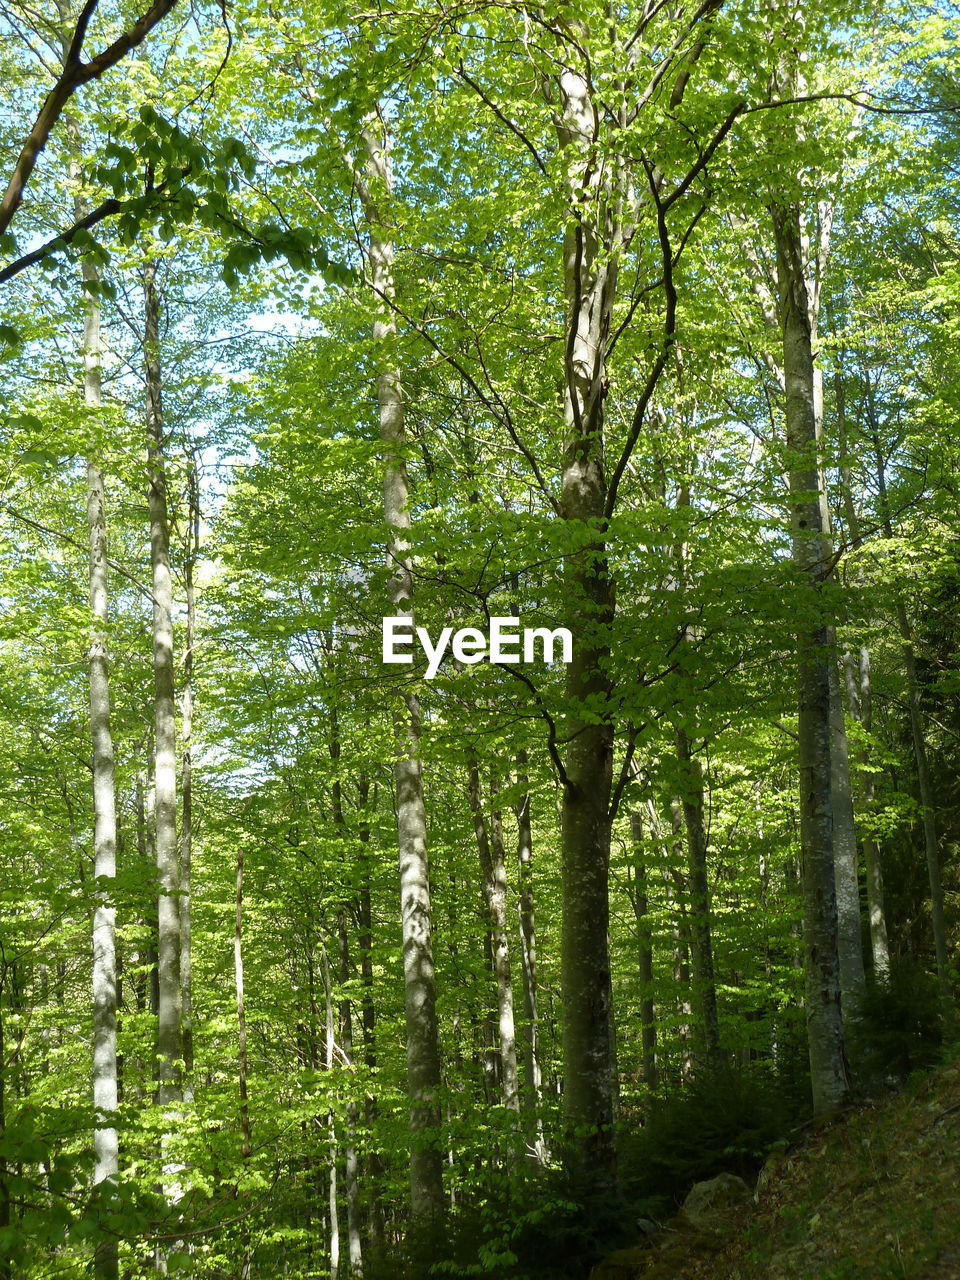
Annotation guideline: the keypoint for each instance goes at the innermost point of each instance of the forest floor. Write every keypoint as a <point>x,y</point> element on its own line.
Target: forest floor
<point>876,1194</point>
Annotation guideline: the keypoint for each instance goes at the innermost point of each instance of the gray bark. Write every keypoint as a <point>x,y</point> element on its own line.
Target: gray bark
<point>186,774</point>
<point>105,1087</point>
<point>849,933</point>
<point>860,699</point>
<point>814,252</point>
<point>589,1074</point>
<point>931,841</point>
<point>701,943</point>
<point>423,1048</point>
<point>332,1196</point>
<point>243,1066</point>
<point>821,963</point>
<point>376,1231</point>
<point>169,1034</point>
<point>351,1163</point>
<point>494,871</point>
<point>640,902</point>
<point>533,1095</point>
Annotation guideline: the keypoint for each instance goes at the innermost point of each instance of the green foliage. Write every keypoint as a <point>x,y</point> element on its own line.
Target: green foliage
<point>722,1121</point>
<point>899,1027</point>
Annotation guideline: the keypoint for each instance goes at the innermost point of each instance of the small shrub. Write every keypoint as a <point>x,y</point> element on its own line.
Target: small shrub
<point>722,1121</point>
<point>898,1029</point>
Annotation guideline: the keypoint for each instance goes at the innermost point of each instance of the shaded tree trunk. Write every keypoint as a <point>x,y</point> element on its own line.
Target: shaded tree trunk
<point>928,812</point>
<point>821,963</point>
<point>701,943</point>
<point>640,903</point>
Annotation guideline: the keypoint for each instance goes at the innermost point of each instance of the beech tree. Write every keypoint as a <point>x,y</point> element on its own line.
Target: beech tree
<point>588,319</point>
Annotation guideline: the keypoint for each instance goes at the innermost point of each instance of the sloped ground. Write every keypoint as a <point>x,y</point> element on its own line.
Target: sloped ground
<point>875,1195</point>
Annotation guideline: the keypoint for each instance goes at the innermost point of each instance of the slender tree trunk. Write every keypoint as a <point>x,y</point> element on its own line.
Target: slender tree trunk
<point>328,1059</point>
<point>845,862</point>
<point>822,981</point>
<point>351,1164</point>
<point>860,698</point>
<point>528,951</point>
<point>590,272</point>
<point>814,253</point>
<point>186,775</point>
<point>701,943</point>
<point>375,1171</point>
<point>243,1068</point>
<point>928,812</point>
<point>494,871</point>
<point>860,701</point>
<point>169,1036</point>
<point>423,1048</point>
<point>105,1080</point>
<point>5,1206</point>
<point>640,903</point>
<point>849,932</point>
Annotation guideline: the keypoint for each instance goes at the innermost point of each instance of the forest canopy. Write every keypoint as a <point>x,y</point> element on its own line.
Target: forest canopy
<point>633,326</point>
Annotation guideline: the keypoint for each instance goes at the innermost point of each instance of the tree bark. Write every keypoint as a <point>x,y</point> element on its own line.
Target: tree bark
<point>494,871</point>
<point>640,903</point>
<point>423,1048</point>
<point>186,773</point>
<point>533,1096</point>
<point>169,1034</point>
<point>860,703</point>
<point>76,72</point>
<point>821,963</point>
<point>351,1164</point>
<point>243,1066</point>
<point>105,1078</point>
<point>928,813</point>
<point>590,272</point>
<point>376,1230</point>
<point>849,933</point>
<point>701,942</point>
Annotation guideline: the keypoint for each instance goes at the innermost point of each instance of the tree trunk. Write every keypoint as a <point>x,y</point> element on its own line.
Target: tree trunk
<point>351,1165</point>
<point>589,1088</point>
<point>860,698</point>
<point>533,1096</point>
<point>186,773</point>
<point>849,932</point>
<point>493,868</point>
<point>821,963</point>
<point>5,1214</point>
<point>246,1148</point>
<point>420,1002</point>
<point>169,1036</point>
<point>931,843</point>
<point>640,903</point>
<point>105,1086</point>
<point>376,1232</point>
<point>701,944</point>
<point>328,1056</point>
